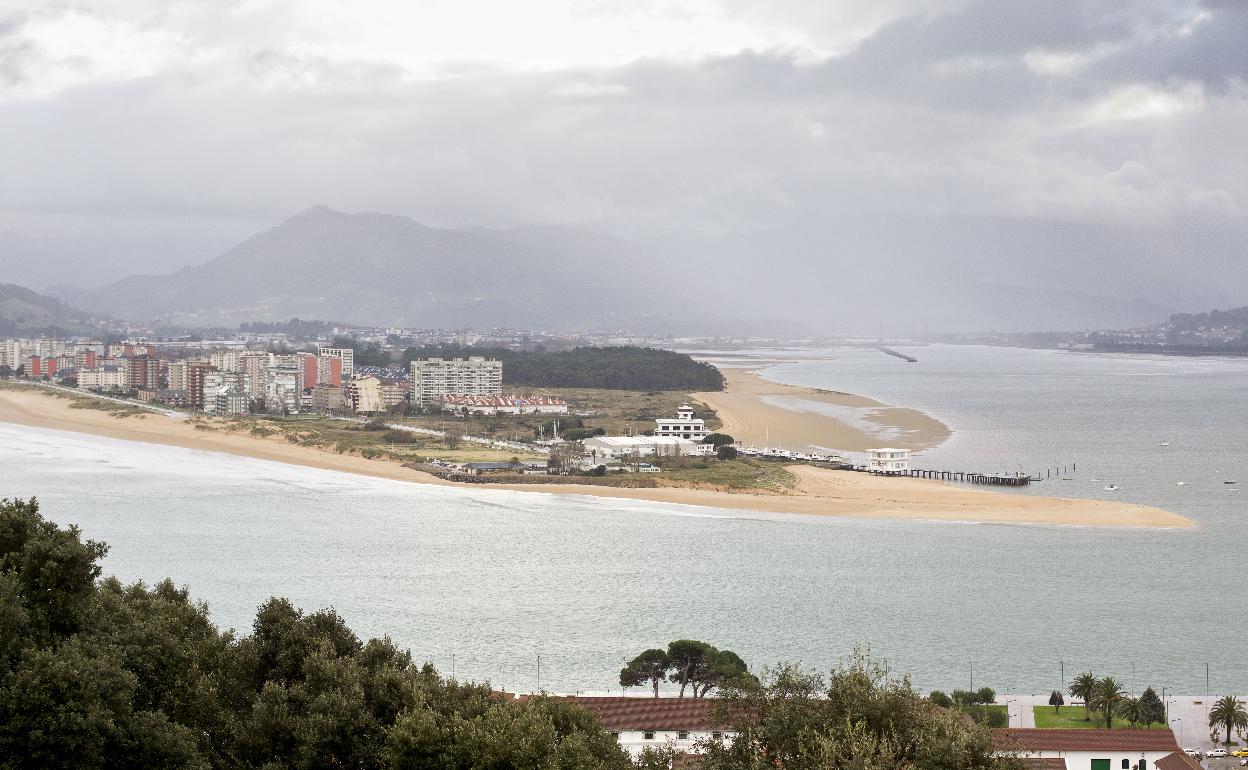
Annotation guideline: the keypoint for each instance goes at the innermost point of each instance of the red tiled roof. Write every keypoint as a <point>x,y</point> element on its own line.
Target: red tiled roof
<point>1038,739</point>
<point>1048,763</point>
<point>619,713</point>
<point>1177,761</point>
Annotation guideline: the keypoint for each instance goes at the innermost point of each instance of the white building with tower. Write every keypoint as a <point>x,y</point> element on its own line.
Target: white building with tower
<point>685,426</point>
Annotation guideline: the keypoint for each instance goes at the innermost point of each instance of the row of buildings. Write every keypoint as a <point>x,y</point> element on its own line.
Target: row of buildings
<point>228,380</point>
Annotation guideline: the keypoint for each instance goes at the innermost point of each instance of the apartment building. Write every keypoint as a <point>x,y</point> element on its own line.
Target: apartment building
<point>345,355</point>
<point>433,378</point>
<point>364,393</point>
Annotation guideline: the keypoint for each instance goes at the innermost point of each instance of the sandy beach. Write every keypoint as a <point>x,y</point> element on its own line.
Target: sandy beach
<point>762,413</point>
<point>820,491</point>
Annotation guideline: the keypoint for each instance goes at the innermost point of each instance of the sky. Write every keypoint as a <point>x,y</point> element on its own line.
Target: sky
<point>163,131</point>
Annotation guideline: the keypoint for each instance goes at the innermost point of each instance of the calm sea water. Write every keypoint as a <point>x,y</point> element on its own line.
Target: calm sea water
<point>486,581</point>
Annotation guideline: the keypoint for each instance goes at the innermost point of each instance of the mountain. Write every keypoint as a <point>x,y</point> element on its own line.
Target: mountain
<point>26,313</point>
<point>391,270</point>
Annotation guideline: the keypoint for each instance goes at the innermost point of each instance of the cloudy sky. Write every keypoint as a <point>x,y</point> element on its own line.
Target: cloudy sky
<point>188,124</point>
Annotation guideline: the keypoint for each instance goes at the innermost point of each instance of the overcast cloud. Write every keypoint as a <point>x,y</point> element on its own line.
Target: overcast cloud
<point>197,122</point>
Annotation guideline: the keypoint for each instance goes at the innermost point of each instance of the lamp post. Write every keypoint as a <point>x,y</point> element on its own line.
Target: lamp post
<point>1180,721</point>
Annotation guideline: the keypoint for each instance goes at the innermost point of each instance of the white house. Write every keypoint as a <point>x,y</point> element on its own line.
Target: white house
<point>640,723</point>
<point>1093,749</point>
<point>888,460</point>
<point>616,447</point>
<point>685,425</point>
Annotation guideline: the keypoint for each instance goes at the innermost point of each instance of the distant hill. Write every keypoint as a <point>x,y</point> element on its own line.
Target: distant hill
<point>391,270</point>
<point>27,313</point>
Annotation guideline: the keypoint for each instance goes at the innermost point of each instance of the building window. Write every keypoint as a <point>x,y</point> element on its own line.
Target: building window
<point>648,735</point>
<point>717,735</point>
<point>615,735</point>
<point>683,735</point>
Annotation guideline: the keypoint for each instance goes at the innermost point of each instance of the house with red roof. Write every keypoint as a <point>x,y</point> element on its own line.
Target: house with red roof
<point>1091,749</point>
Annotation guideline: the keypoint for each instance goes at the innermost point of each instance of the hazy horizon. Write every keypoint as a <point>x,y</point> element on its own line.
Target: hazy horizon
<point>900,159</point>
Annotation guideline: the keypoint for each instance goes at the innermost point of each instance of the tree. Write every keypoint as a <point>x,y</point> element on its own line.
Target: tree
<point>1154,711</point>
<point>726,453</point>
<point>650,666</point>
<point>1228,712</point>
<point>686,658</point>
<point>6,371</point>
<point>1131,710</point>
<point>1084,687</point>
<point>940,699</point>
<point>452,437</point>
<point>1106,697</point>
<point>860,718</point>
<point>96,675</point>
<point>1057,701</point>
<point>719,439</point>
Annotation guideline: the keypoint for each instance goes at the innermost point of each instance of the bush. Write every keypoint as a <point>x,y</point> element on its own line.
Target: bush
<point>726,453</point>
<point>375,424</point>
<point>940,699</point>
<point>395,436</point>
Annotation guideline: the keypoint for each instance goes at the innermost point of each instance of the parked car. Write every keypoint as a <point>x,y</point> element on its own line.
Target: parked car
<point>1239,753</point>
<point>1215,753</point>
<point>1194,753</point>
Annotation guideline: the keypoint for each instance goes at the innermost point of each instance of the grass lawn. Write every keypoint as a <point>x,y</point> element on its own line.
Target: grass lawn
<point>1072,717</point>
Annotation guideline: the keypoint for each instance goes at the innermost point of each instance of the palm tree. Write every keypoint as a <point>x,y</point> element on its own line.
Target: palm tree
<point>1106,696</point>
<point>1084,686</point>
<point>1227,711</point>
<point>1132,710</point>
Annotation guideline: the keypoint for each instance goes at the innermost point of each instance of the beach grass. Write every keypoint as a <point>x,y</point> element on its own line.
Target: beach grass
<point>739,474</point>
<point>345,437</point>
<point>1073,716</point>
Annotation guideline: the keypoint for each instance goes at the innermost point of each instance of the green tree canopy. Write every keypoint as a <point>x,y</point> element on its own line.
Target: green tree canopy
<point>95,675</point>
<point>1106,697</point>
<point>1056,701</point>
<point>650,667</point>
<point>858,718</point>
<point>1154,709</point>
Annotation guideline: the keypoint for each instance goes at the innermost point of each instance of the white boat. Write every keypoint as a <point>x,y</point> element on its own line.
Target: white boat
<point>1163,443</point>
<point>1180,483</point>
<point>1111,488</point>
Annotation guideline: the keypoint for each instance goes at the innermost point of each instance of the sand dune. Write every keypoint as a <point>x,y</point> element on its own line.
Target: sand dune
<point>762,413</point>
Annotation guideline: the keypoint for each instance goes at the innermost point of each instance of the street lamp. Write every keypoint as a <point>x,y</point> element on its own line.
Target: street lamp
<point>1180,721</point>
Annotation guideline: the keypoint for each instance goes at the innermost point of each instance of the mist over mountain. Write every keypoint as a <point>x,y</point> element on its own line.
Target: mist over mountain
<point>390,270</point>
<point>27,313</point>
<point>899,277</point>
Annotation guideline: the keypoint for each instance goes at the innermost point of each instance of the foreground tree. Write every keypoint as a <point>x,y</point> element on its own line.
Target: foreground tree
<point>650,667</point>
<point>95,675</point>
<point>1056,701</point>
<point>1131,710</point>
<point>1106,697</point>
<point>1084,687</point>
<point>1154,711</point>
<point>858,718</point>
<point>1229,713</point>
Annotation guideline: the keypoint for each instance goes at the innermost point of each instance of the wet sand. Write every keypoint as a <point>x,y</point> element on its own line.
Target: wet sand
<point>762,413</point>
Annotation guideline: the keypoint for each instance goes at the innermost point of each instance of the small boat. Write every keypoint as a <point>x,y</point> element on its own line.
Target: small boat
<point>1163,443</point>
<point>1180,483</point>
<point>1067,478</point>
<point>1111,488</point>
<point>1230,482</point>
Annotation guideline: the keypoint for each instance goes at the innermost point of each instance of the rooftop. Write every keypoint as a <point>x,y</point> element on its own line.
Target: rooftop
<point>1026,739</point>
<point>618,713</point>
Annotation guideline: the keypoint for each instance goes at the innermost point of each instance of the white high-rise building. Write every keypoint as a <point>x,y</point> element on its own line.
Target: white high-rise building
<point>433,378</point>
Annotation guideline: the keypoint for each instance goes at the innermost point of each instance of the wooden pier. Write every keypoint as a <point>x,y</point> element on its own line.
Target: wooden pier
<point>962,477</point>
